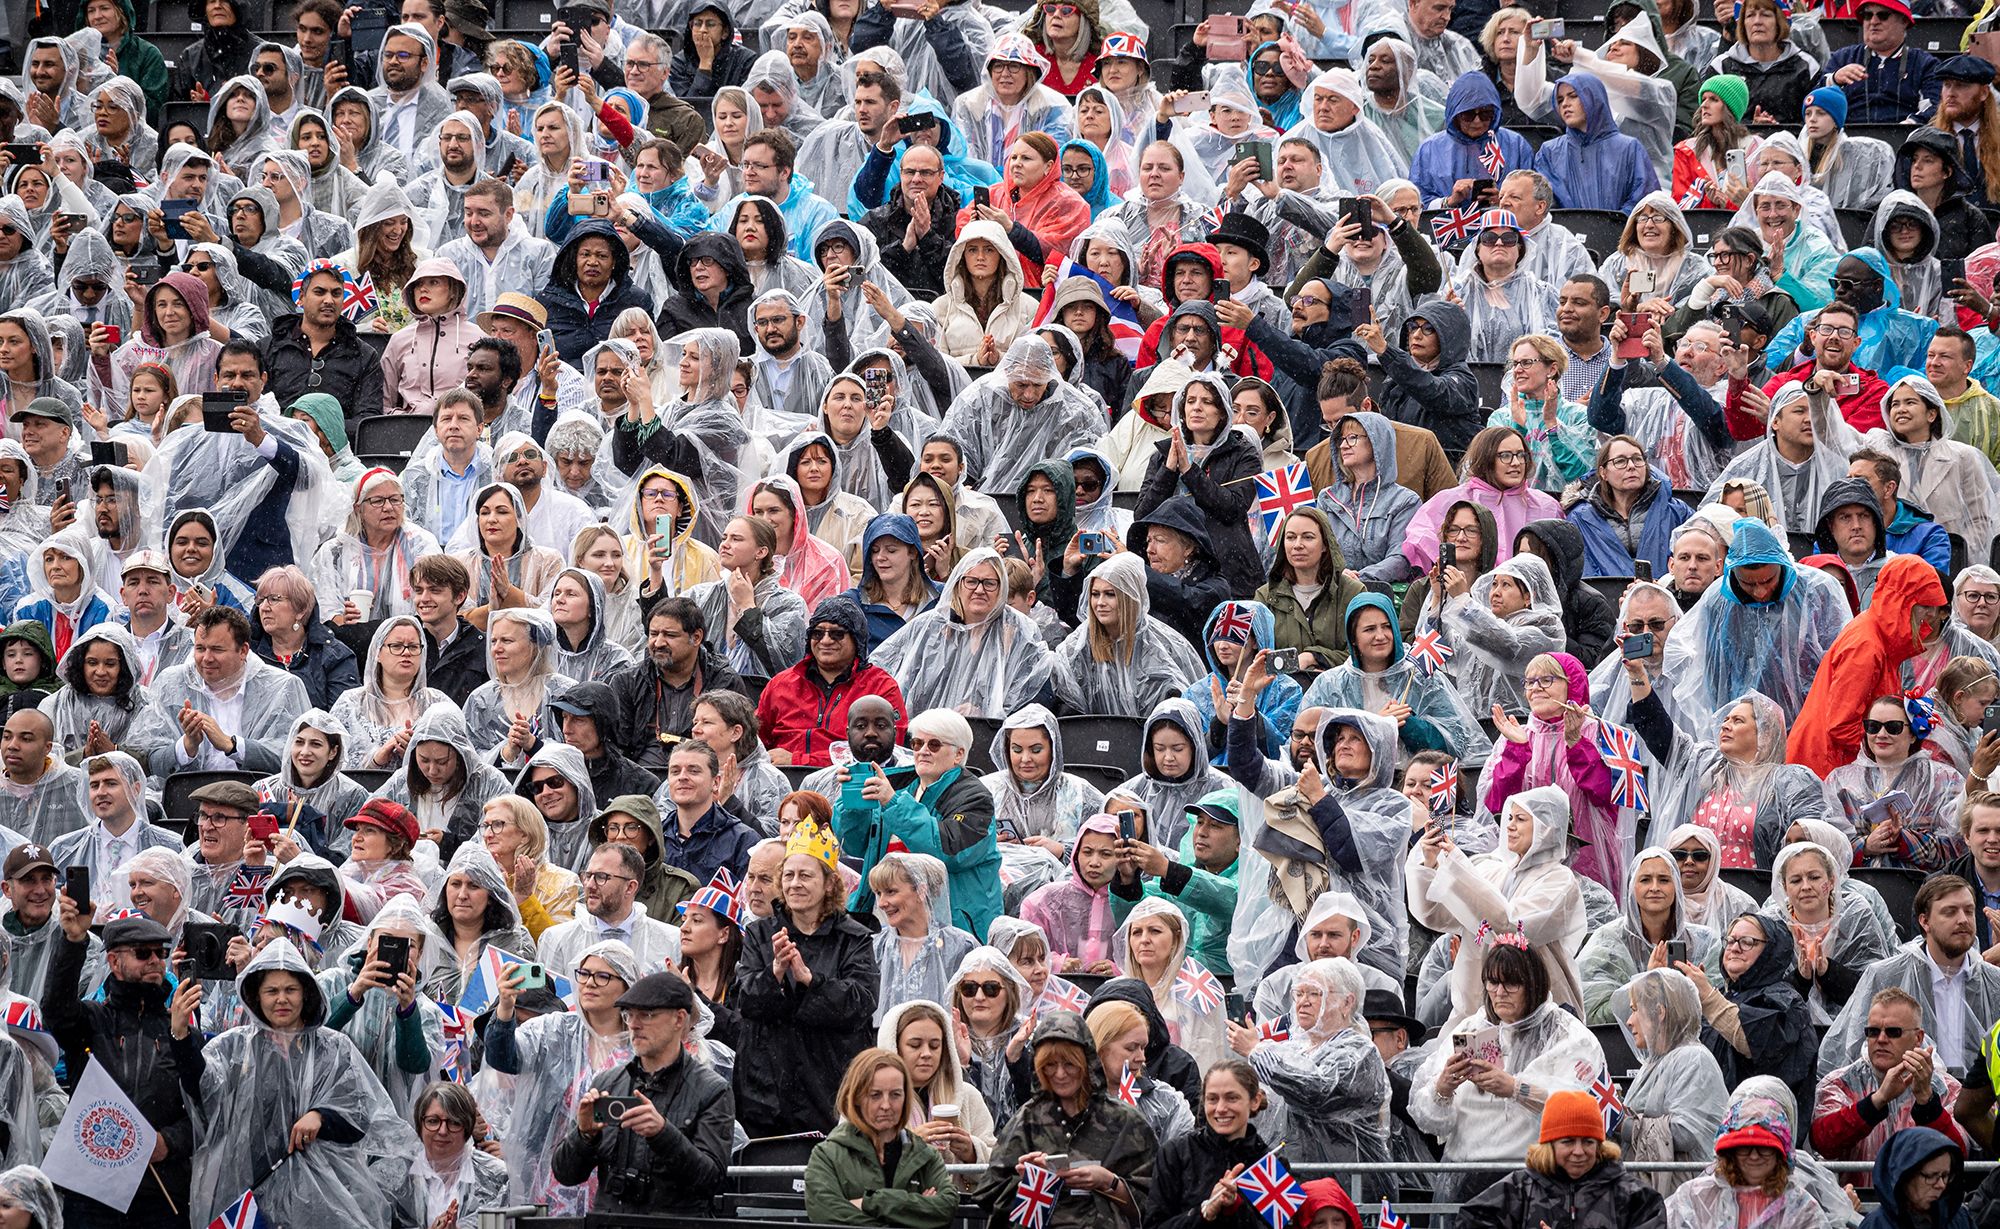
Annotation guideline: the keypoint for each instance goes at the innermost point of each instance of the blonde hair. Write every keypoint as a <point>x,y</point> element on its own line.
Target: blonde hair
<point>1111,1020</point>
<point>1546,348</point>
<point>586,539</point>
<point>1542,1157</point>
<point>1060,1047</point>
<point>1118,643</point>
<point>523,815</point>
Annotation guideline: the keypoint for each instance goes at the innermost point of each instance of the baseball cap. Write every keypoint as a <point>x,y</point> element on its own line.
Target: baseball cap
<point>26,857</point>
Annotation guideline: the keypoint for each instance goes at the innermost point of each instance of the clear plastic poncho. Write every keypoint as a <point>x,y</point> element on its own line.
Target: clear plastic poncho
<point>335,796</point>
<point>366,713</point>
<point>1614,954</point>
<point>1853,936</point>
<point>1675,1103</point>
<point>1329,1080</point>
<point>373,1027</point>
<point>258,1081</point>
<point>222,472</point>
<point>706,418</point>
<point>1194,1026</point>
<point>490,709</point>
<point>1053,807</point>
<point>444,724</point>
<point>923,968</point>
<point>1149,663</point>
<point>1167,799</point>
<point>1001,440</point>
<point>72,710</point>
<point>478,867</point>
<point>984,669</point>
<point>1493,653</point>
<point>1697,771</point>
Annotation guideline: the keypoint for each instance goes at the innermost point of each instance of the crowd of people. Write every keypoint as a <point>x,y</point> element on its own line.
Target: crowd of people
<point>969,586</point>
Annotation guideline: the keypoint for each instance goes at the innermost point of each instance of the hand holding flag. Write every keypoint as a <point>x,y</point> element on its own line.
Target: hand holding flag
<point>1035,1195</point>
<point>1271,1190</point>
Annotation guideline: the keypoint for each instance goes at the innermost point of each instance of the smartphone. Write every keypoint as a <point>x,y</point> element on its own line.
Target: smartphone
<point>148,272</point>
<point>1639,646</point>
<point>1677,951</point>
<point>107,452</point>
<point>1228,37</point>
<point>1191,102</point>
<point>1738,164</point>
<point>534,977</point>
<point>1282,661</point>
<point>1260,150</point>
<point>113,335</point>
<point>341,51</point>
<point>569,58</point>
<point>663,527</point>
<point>546,339</point>
<point>394,952</point>
<point>1545,31</point>
<point>1850,384</point>
<point>922,121</point>
<point>982,195</point>
<point>1360,303</point>
<point>26,151</point>
<point>1642,569</point>
<point>1953,270</point>
<point>1484,189</point>
<point>215,411</point>
<point>1357,213</point>
<point>1447,555</point>
<point>1991,721</point>
<point>876,381</point>
<point>1125,826</point>
<point>367,29</point>
<point>1636,326</point>
<point>173,212</point>
<point>73,221</point>
<point>76,885</point>
<point>1096,544</point>
<point>263,828</point>
<point>1639,281</point>
<point>1232,1003</point>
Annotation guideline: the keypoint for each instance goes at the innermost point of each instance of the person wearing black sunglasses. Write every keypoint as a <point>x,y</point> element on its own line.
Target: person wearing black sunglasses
<point>1896,1083</point>
<point>1920,832</point>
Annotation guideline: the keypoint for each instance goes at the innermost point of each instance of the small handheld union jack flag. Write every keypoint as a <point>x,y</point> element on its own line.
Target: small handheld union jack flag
<point>1034,1197</point>
<point>1197,987</point>
<point>1492,159</point>
<point>1692,198</point>
<point>1389,1219</point>
<point>1443,793</point>
<point>1606,1093</point>
<point>243,1214</point>
<point>359,297</point>
<point>1060,994</point>
<point>1620,748</point>
<point>246,888</point>
<point>457,1026</point>
<point>1281,492</point>
<point>1273,1030</point>
<point>1271,1190</point>
<point>1128,1087</point>
<point>1455,226</point>
<point>1429,651</point>
<point>1232,624</point>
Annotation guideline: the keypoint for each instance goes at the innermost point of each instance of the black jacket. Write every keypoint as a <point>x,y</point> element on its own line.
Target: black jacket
<point>1166,1063</point>
<point>1962,226</point>
<point>576,327</point>
<point>611,774</point>
<point>686,308</point>
<point>460,667</point>
<point>1445,401</point>
<point>678,1170</point>
<point>325,665</point>
<point>1221,493</point>
<point>798,1040</point>
<point>1184,601</point>
<point>1589,622</point>
<point>921,271</point>
<point>266,539</point>
<point>128,1034</point>
<point>350,368</point>
<point>653,714</point>
<point>1186,1170</point>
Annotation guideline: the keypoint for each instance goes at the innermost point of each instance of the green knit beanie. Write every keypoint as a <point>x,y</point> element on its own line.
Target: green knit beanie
<point>1733,90</point>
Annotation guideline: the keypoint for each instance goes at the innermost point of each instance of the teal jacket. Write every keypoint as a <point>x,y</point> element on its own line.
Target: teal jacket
<point>1208,898</point>
<point>951,821</point>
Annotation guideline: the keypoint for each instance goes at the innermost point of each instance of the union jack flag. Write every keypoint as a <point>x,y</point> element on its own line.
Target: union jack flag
<point>1491,159</point>
<point>1273,1030</point>
<point>1455,226</point>
<point>1606,1093</point>
<point>1126,335</point>
<point>457,1027</point>
<point>1213,218</point>
<point>1430,652</point>
<point>1272,1191</point>
<point>1197,987</point>
<point>358,298</point>
<point>1281,492</point>
<point>1128,1087</point>
<point>1692,198</point>
<point>1064,995</point>
<point>1443,795</point>
<point>1389,1219</point>
<point>1620,747</point>
<point>1232,624</point>
<point>1033,1197</point>
<point>246,888</point>
<point>243,1214</point>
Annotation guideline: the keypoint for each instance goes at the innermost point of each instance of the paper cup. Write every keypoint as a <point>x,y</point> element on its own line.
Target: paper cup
<point>364,602</point>
<point>944,1111</point>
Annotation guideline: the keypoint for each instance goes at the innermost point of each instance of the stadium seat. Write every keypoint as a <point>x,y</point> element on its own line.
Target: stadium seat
<point>980,757</point>
<point>1748,880</point>
<point>380,434</point>
<point>1111,741</point>
<point>1610,588</point>
<point>1899,891</point>
<point>181,784</point>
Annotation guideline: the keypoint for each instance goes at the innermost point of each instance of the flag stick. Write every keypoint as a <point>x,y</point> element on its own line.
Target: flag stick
<point>164,1192</point>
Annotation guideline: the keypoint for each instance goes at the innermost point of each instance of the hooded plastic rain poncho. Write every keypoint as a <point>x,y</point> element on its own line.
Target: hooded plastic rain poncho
<point>1167,799</point>
<point>1053,807</point>
<point>1853,937</point>
<point>490,708</point>
<point>348,562</point>
<point>1277,703</point>
<point>1698,784</point>
<point>706,418</point>
<point>367,714</point>
<point>926,968</point>
<point>1193,1024</point>
<point>1329,1079</point>
<point>1357,158</point>
<point>942,661</point>
<point>1708,1200</point>
<point>477,867</point>
<point>375,1025</point>
<point>1614,954</point>
<point>91,258</point>
<point>951,1085</point>
<point>256,136</point>
<point>1446,719</point>
<point>1001,439</point>
<point>597,655</point>
<point>1493,653</point>
<point>1949,479</point>
<point>258,1080</point>
<point>266,699</point>
<point>27,276</point>
<point>1142,664</point>
<point>73,710</point>
<point>1891,336</point>
<point>457,815</point>
<point>1075,919</point>
<point>1532,893</point>
<point>1675,1103</point>
<point>334,795</point>
<point>47,383</point>
<point>1727,646</point>
<point>569,844</point>
<point>223,473</point>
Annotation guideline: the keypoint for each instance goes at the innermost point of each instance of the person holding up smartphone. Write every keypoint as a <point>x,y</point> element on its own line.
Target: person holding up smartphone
<point>1652,933</point>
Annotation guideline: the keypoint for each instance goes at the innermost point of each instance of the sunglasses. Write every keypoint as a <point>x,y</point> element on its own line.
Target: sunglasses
<point>153,951</point>
<point>1655,626</point>
<point>827,633</point>
<point>545,784</point>
<point>1693,855</point>
<point>1887,1032</point>
<point>929,745</point>
<point>1884,727</point>
<point>974,989</point>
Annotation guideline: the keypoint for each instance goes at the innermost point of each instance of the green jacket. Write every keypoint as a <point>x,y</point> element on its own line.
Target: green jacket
<point>141,61</point>
<point>36,635</point>
<point>843,1168</point>
<point>1321,628</point>
<point>1208,898</point>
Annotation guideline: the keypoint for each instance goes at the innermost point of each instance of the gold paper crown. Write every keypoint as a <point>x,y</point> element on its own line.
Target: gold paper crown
<point>814,842</point>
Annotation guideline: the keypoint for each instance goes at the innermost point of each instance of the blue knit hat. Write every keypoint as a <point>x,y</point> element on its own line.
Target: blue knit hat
<point>1831,100</point>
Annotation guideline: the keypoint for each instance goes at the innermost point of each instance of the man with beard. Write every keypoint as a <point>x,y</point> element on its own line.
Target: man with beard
<point>786,375</point>
<point>656,696</point>
<point>317,348</point>
<point>409,103</point>
<point>914,227</point>
<point>441,190</point>
<point>1959,992</point>
<point>871,736</point>
<point>493,254</point>
<point>554,516</point>
<point>44,795</point>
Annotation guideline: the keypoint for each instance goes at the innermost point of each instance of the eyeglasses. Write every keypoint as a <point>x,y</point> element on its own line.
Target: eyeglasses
<point>1537,361</point>
<point>1511,454</point>
<point>1459,533</point>
<point>974,989</point>
<point>1311,300</point>
<point>435,1124</point>
<point>1636,460</point>
<point>631,64</point>
<point>598,879</point>
<point>380,502</point>
<point>748,165</point>
<point>624,828</point>
<point>594,977</point>
<point>496,825</point>
<point>1693,855</point>
<point>403,649</point>
<point>827,633</point>
<point>203,267</point>
<point>1837,332</point>
<point>1270,68</point>
<point>1930,1179</point>
<point>1888,1032</point>
<point>1655,626</point>
<point>1884,727</point>
<point>1737,943</point>
<point>981,583</point>
<point>1424,328</point>
<point>401,57</point>
<point>1545,682</point>
<point>544,784</point>
<point>213,818</point>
